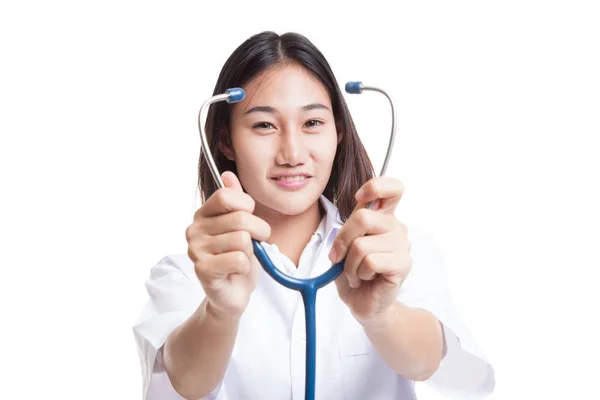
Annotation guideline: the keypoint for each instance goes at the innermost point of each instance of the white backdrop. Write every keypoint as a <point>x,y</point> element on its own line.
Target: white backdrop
<point>497,146</point>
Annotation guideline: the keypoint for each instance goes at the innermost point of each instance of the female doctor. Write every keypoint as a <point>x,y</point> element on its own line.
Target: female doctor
<point>297,178</point>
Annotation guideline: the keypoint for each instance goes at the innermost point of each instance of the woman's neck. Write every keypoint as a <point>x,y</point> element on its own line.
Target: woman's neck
<point>291,233</point>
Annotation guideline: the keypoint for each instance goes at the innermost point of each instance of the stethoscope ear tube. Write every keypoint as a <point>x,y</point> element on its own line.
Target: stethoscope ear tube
<point>307,287</point>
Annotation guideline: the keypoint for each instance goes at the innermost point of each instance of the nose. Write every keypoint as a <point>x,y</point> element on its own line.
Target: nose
<point>292,148</point>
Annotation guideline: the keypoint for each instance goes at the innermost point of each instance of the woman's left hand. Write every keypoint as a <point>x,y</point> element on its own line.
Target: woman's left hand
<point>377,252</point>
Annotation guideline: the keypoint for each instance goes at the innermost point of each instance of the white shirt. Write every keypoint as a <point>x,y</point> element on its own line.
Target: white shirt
<point>268,360</point>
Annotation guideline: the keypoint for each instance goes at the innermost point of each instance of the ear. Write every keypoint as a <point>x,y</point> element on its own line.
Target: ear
<point>227,151</point>
<point>340,135</point>
<point>226,148</point>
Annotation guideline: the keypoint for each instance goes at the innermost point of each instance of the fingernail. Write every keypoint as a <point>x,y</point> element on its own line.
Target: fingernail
<point>349,280</point>
<point>333,255</point>
<point>360,194</point>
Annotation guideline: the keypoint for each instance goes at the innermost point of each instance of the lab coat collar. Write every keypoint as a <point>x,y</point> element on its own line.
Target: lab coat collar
<point>330,224</point>
<point>331,221</point>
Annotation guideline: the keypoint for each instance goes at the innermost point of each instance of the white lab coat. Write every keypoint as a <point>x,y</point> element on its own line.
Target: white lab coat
<point>268,358</point>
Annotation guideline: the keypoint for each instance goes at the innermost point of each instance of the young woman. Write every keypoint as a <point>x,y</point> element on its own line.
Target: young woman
<point>298,179</point>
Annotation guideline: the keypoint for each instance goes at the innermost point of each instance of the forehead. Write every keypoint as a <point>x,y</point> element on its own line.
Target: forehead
<point>284,85</point>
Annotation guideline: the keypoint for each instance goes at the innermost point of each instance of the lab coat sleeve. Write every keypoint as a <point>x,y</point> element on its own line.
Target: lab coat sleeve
<point>464,372</point>
<point>174,294</point>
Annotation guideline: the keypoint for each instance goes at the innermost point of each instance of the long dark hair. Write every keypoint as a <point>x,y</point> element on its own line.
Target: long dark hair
<point>351,166</point>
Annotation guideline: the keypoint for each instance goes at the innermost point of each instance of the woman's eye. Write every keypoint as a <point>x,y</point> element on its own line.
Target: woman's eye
<point>313,123</point>
<point>263,125</point>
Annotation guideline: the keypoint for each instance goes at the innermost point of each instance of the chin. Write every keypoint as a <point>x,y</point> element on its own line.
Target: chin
<point>292,203</point>
<point>291,207</point>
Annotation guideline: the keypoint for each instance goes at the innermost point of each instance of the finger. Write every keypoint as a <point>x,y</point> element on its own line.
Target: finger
<point>362,222</point>
<point>227,199</point>
<point>388,190</point>
<point>230,241</point>
<point>258,228</point>
<point>223,201</point>
<point>230,180</point>
<point>362,247</point>
<point>221,265</point>
<point>390,266</point>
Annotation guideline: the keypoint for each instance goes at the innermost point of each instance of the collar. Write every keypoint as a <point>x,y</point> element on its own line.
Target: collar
<point>330,224</point>
<point>331,220</point>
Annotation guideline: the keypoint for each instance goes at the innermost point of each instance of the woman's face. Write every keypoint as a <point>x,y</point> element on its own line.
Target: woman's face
<point>284,140</point>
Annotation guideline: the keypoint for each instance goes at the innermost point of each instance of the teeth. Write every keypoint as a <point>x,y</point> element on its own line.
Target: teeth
<point>291,178</point>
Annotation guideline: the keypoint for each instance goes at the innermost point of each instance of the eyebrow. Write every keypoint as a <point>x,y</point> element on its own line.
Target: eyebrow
<point>269,109</point>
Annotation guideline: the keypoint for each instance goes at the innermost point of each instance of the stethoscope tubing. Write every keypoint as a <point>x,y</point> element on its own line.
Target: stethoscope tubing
<point>307,287</point>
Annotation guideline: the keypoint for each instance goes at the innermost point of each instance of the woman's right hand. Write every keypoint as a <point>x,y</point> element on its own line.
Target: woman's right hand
<point>220,245</point>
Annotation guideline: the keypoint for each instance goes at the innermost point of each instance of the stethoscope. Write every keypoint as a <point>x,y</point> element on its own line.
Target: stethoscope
<point>307,287</point>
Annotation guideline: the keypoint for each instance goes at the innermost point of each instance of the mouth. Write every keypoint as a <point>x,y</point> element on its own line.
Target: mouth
<point>291,178</point>
<point>292,182</point>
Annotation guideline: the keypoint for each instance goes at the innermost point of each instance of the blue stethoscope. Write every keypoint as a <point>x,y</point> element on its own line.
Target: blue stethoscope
<point>307,287</point>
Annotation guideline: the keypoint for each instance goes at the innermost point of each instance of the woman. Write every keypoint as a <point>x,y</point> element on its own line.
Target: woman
<point>298,179</point>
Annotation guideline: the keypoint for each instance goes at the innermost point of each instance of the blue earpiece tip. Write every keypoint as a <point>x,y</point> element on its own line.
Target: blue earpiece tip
<point>354,87</point>
<point>235,95</point>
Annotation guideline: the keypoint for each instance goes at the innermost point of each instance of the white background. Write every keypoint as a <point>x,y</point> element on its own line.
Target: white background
<point>497,145</point>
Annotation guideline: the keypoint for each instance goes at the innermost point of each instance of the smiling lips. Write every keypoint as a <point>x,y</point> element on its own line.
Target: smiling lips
<point>296,181</point>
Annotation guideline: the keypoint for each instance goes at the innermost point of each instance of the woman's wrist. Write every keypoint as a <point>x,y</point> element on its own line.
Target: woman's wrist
<point>219,316</point>
<point>384,320</point>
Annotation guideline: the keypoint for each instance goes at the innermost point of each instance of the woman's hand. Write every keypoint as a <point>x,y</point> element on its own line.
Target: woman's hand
<point>377,252</point>
<point>220,245</point>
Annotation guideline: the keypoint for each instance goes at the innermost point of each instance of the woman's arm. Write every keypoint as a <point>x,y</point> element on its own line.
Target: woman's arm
<point>378,260</point>
<point>409,340</point>
<point>197,353</point>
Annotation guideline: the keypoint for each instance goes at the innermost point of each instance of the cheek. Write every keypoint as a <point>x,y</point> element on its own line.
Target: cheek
<point>251,160</point>
<point>248,161</point>
<point>325,148</point>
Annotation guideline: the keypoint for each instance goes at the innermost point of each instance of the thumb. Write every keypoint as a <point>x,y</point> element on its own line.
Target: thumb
<point>231,181</point>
